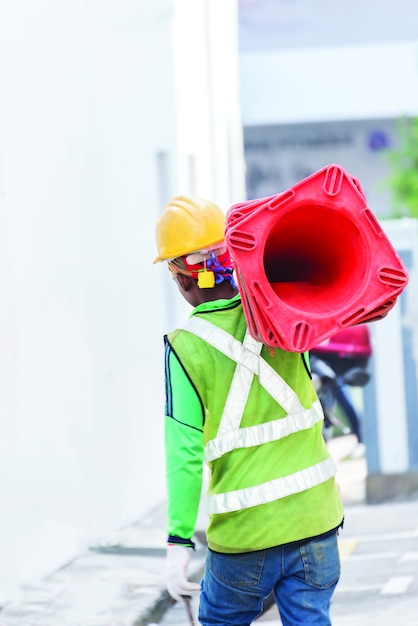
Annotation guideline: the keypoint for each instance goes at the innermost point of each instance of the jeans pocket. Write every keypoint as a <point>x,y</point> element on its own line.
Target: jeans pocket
<point>321,561</point>
<point>237,570</point>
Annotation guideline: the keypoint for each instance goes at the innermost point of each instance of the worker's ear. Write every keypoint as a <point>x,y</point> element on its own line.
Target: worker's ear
<point>185,282</point>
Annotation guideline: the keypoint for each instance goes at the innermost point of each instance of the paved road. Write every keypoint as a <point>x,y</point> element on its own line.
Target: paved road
<point>379,558</point>
<point>379,581</point>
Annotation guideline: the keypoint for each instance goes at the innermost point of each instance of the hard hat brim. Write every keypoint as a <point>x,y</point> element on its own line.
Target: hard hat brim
<point>213,244</point>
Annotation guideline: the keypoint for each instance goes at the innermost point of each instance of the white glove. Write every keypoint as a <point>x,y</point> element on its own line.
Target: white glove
<point>176,564</point>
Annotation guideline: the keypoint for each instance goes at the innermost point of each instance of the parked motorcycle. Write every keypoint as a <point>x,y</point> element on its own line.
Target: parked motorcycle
<point>327,383</point>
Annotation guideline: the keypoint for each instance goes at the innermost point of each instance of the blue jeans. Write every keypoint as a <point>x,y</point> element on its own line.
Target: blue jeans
<point>302,577</point>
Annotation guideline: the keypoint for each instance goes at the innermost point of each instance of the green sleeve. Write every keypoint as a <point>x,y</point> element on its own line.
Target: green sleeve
<point>184,450</point>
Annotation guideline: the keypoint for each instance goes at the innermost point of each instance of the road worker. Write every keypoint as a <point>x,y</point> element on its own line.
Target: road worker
<point>250,412</point>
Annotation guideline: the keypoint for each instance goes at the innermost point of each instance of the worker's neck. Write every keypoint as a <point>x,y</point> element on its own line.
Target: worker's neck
<point>224,291</point>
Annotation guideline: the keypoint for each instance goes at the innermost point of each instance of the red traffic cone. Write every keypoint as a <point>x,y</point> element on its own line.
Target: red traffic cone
<point>311,261</point>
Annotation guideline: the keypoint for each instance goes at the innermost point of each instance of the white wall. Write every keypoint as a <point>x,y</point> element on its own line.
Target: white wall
<point>305,61</point>
<point>209,128</point>
<point>280,24</point>
<point>88,155</point>
<point>329,83</point>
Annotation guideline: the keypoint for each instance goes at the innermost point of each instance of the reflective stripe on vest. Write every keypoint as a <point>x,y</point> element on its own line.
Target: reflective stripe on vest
<point>249,362</point>
<point>272,490</point>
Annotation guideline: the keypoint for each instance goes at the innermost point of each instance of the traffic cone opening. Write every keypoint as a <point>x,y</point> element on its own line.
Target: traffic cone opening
<point>315,259</point>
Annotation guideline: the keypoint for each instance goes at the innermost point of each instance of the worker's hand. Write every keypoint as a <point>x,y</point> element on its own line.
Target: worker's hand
<point>176,565</point>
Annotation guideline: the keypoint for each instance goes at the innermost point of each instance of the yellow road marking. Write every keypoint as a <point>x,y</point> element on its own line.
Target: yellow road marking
<point>346,547</point>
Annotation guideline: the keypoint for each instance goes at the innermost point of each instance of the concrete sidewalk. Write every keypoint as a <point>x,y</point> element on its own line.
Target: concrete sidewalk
<point>119,582</point>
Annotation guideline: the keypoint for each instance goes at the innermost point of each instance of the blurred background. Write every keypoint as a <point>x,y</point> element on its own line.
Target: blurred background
<point>108,108</point>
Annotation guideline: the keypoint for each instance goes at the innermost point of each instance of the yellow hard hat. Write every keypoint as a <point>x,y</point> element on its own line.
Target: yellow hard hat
<point>188,224</point>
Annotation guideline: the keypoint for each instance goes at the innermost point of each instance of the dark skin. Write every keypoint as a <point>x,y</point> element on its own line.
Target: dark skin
<point>194,295</point>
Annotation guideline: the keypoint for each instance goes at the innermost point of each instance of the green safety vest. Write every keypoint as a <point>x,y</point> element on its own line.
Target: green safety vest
<point>271,475</point>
